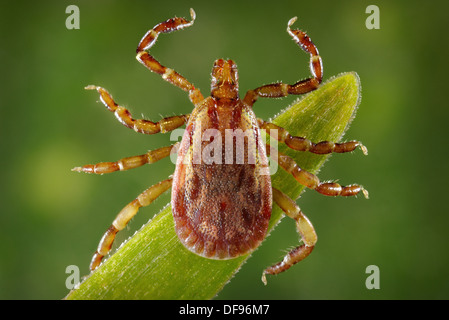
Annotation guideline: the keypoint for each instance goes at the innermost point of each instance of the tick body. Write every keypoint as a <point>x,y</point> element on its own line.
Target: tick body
<point>222,209</point>
<point>222,196</point>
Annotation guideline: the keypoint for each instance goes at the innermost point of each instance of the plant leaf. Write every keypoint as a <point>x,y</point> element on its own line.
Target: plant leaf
<point>153,264</point>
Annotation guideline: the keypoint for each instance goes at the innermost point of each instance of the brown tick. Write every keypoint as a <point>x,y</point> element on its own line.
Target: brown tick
<point>221,191</point>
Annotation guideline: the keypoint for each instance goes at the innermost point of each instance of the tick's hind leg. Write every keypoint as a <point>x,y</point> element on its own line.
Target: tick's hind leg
<point>126,163</point>
<point>149,39</point>
<point>305,229</point>
<point>124,216</point>
<point>138,125</point>
<point>303,144</point>
<point>310,180</point>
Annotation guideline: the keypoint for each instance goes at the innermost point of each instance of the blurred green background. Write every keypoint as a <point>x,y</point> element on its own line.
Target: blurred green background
<point>52,217</point>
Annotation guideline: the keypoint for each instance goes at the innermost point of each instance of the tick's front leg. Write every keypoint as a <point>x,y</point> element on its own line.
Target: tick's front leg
<point>143,56</point>
<point>124,216</point>
<point>305,229</point>
<point>277,90</point>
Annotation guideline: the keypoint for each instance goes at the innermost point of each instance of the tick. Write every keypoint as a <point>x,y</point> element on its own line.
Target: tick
<point>221,191</point>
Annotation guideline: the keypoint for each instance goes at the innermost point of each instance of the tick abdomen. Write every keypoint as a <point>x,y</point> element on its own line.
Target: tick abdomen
<point>221,210</point>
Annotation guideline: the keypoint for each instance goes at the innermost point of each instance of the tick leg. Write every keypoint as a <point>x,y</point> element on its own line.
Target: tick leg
<point>312,181</point>
<point>124,216</point>
<point>303,144</point>
<point>149,39</point>
<point>139,125</point>
<point>126,163</point>
<point>305,229</point>
<point>277,90</point>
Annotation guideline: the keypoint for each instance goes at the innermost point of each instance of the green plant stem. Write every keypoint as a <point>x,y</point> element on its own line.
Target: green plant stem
<point>153,264</point>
